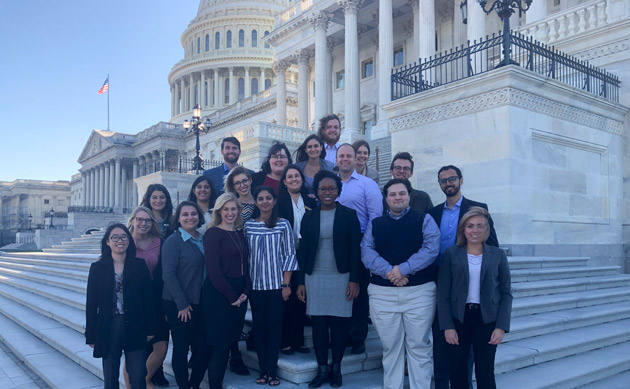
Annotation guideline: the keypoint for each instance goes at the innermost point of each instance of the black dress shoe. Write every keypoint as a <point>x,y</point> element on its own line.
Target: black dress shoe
<point>358,348</point>
<point>335,376</point>
<point>158,378</point>
<point>323,376</point>
<point>302,350</point>
<point>237,366</point>
<point>287,351</point>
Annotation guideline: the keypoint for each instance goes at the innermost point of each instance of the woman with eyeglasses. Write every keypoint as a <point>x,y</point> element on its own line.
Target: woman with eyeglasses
<point>362,150</point>
<point>311,158</point>
<point>182,271</point>
<point>329,274</point>
<point>158,200</point>
<point>239,182</point>
<point>120,308</point>
<point>271,170</point>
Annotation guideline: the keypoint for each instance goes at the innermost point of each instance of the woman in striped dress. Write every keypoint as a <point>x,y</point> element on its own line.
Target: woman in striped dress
<point>271,262</point>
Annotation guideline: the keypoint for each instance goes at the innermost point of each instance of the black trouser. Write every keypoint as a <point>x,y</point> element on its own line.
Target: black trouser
<point>135,359</point>
<point>335,328</point>
<point>441,365</point>
<point>473,331</point>
<point>293,321</point>
<point>267,308</point>
<point>360,309</point>
<point>191,334</point>
<point>217,365</point>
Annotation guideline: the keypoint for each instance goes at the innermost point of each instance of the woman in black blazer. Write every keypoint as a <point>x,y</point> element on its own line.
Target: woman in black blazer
<point>328,279</point>
<point>119,309</point>
<point>293,203</point>
<point>474,299</point>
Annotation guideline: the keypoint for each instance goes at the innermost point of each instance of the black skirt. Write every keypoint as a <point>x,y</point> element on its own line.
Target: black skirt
<point>224,322</point>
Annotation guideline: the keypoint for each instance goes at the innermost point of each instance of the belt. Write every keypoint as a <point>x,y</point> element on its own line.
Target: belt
<point>471,306</point>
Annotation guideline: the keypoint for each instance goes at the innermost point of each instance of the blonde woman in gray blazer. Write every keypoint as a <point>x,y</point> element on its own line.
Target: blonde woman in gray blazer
<point>474,299</point>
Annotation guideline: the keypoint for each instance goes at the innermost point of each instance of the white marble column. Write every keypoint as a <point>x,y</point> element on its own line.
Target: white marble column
<point>202,91</point>
<point>248,84</point>
<point>112,184</point>
<point>320,25</point>
<point>385,54</point>
<point>353,80</point>
<point>135,186</point>
<point>536,12</point>
<point>232,86</point>
<point>215,87</point>
<point>330,45</point>
<point>281,92</point>
<point>414,54</point>
<point>93,187</point>
<point>125,188</point>
<point>101,202</point>
<point>172,100</point>
<point>459,28</point>
<point>106,188</point>
<point>303,57</point>
<point>97,185</point>
<point>180,97</point>
<point>426,35</point>
<point>84,185</point>
<point>221,82</point>
<point>261,80</point>
<point>117,184</point>
<point>476,27</point>
<point>191,93</point>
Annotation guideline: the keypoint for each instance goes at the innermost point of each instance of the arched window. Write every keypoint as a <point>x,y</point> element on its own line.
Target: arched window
<point>198,45</point>
<point>241,38</point>
<point>254,85</point>
<point>267,44</point>
<point>207,42</point>
<point>241,88</point>
<point>254,38</point>
<point>267,83</point>
<point>228,39</point>
<point>226,98</point>
<point>217,41</point>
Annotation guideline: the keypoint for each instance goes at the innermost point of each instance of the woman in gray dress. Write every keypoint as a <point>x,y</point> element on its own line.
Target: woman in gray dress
<point>329,274</point>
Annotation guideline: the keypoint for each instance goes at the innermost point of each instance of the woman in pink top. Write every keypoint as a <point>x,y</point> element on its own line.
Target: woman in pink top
<point>146,234</point>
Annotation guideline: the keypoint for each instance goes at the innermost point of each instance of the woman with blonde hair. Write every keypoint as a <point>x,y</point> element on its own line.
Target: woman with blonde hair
<point>474,299</point>
<point>225,290</point>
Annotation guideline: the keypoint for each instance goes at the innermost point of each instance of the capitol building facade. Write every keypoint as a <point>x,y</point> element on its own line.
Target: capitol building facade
<point>547,151</point>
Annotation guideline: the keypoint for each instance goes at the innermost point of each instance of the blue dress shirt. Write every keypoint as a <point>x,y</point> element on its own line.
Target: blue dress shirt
<point>364,196</point>
<point>448,226</point>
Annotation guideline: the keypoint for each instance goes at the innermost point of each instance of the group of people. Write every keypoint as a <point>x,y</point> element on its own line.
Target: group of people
<point>312,241</point>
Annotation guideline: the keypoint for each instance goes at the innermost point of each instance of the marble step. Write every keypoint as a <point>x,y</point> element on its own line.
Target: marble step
<point>79,244</point>
<point>66,296</point>
<point>544,262</point>
<point>522,353</point>
<point>618,381</point>
<point>521,275</point>
<point>570,372</point>
<point>53,367</point>
<point>537,288</point>
<point>54,280</point>
<point>48,269</point>
<point>76,257</point>
<point>73,265</point>
<point>73,250</point>
<point>549,303</point>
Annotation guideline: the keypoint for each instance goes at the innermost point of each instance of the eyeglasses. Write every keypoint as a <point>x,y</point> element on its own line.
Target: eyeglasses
<point>405,169</point>
<point>143,221</point>
<point>450,180</point>
<point>116,238</point>
<point>331,189</point>
<point>279,156</point>
<point>244,181</point>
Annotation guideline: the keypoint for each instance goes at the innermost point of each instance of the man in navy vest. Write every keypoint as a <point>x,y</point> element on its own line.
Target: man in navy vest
<point>399,249</point>
<point>231,151</point>
<point>447,216</point>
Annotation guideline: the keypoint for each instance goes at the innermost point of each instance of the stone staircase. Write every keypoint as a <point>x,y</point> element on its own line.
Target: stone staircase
<point>570,325</point>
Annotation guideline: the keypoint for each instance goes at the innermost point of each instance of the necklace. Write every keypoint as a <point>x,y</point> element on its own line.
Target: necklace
<point>240,248</point>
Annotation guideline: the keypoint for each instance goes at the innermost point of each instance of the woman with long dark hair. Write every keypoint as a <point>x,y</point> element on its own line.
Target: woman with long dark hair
<point>293,203</point>
<point>271,263</point>
<point>271,170</point>
<point>329,274</point>
<point>239,182</point>
<point>158,200</point>
<point>227,286</point>
<point>204,195</point>
<point>362,151</point>
<point>474,305</point>
<point>182,271</point>
<point>311,158</point>
<point>119,309</point>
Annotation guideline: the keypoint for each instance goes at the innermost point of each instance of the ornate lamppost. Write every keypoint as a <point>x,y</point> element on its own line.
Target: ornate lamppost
<point>30,220</point>
<point>52,215</point>
<point>505,9</point>
<point>195,126</point>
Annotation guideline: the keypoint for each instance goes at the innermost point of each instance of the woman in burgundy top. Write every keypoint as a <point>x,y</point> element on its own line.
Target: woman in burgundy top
<point>225,290</point>
<point>271,170</point>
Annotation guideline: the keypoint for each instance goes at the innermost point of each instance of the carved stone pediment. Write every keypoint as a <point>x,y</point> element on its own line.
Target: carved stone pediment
<point>96,143</point>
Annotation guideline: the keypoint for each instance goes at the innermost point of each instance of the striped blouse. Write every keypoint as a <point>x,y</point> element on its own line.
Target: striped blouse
<point>271,252</point>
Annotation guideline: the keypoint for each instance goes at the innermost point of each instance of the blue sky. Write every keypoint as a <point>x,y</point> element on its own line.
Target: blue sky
<point>54,57</point>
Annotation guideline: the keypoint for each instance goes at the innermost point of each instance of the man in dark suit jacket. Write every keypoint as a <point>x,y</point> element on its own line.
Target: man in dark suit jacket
<point>447,216</point>
<point>231,151</point>
<point>402,167</point>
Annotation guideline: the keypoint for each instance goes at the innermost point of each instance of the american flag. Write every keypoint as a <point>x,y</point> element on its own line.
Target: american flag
<point>105,87</point>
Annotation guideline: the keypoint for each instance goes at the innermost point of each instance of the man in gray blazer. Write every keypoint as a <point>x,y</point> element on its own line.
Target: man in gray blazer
<point>231,151</point>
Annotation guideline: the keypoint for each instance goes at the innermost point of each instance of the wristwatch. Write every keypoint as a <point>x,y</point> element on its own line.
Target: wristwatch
<point>285,285</point>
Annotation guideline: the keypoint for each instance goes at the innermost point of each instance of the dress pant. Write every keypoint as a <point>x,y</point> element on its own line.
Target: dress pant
<point>334,328</point>
<point>191,334</point>
<point>441,363</point>
<point>217,365</point>
<point>267,308</point>
<point>360,309</point>
<point>293,321</point>
<point>473,332</point>
<point>136,366</point>
<point>403,317</point>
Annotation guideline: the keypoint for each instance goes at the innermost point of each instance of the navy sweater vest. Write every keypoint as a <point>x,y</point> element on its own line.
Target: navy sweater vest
<point>396,241</point>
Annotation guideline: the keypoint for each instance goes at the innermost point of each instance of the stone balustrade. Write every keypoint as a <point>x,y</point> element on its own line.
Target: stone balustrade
<point>276,132</point>
<point>25,237</point>
<point>569,23</point>
<point>290,12</point>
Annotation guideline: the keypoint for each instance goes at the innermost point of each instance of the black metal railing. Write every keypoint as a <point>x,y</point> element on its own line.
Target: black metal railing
<point>182,165</point>
<point>487,54</point>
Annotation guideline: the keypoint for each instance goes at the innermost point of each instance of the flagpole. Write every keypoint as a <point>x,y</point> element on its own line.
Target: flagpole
<point>108,103</point>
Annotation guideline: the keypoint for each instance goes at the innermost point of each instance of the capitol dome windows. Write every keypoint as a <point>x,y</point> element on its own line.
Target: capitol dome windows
<point>207,42</point>
<point>267,44</point>
<point>241,88</point>
<point>226,98</point>
<point>254,86</point>
<point>241,38</point>
<point>217,41</point>
<point>267,83</point>
<point>198,45</point>
<point>228,39</point>
<point>254,38</point>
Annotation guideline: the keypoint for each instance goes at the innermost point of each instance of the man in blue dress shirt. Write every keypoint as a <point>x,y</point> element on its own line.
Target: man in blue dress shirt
<point>231,151</point>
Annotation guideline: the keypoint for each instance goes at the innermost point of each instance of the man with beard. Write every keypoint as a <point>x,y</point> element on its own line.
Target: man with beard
<point>231,151</point>
<point>330,131</point>
<point>447,216</point>
<point>363,195</point>
<point>402,168</point>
